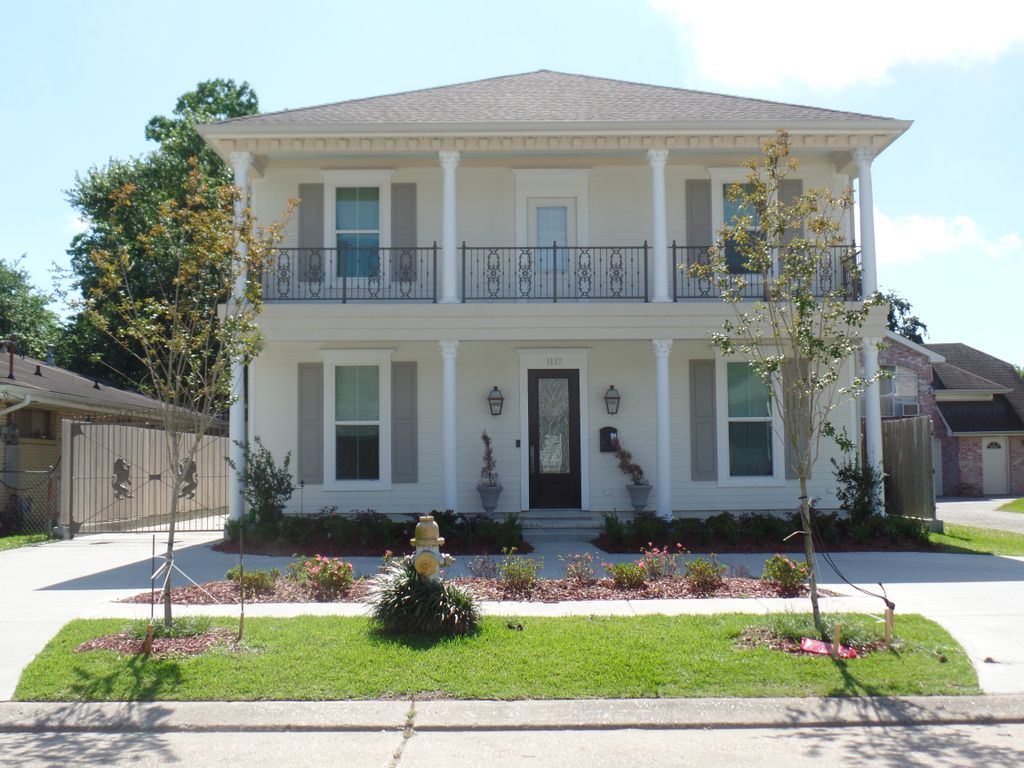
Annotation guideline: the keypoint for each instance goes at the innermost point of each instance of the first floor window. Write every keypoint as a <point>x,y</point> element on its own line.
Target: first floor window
<point>750,423</point>
<point>357,422</point>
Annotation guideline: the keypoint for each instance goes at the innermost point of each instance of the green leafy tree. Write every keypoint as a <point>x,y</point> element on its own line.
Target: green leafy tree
<point>24,315</point>
<point>802,337</point>
<point>185,334</point>
<point>155,178</point>
<point>901,320</point>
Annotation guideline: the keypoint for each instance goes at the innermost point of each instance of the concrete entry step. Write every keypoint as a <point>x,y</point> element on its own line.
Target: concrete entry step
<point>560,519</point>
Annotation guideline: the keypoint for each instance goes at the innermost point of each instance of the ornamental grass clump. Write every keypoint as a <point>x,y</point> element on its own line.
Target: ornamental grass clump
<point>404,603</point>
<point>786,576</point>
<point>326,577</point>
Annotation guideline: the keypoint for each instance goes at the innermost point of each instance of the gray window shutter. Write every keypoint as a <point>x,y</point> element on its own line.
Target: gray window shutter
<point>404,263</point>
<point>698,212</point>
<point>789,191</point>
<point>310,458</point>
<point>790,404</point>
<point>403,423</point>
<point>310,263</point>
<point>703,430</point>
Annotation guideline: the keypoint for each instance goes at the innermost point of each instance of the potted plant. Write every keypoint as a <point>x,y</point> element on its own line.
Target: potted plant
<point>638,486</point>
<point>489,486</point>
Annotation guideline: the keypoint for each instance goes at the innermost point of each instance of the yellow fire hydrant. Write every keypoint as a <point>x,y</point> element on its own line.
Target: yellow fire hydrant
<point>428,560</point>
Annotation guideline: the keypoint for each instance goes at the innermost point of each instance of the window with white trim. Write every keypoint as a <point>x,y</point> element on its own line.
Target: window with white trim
<point>749,418</point>
<point>357,230</point>
<point>898,392</point>
<point>733,211</point>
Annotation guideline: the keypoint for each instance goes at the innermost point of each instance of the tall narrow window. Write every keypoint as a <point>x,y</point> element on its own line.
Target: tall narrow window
<point>357,231</point>
<point>357,422</point>
<point>732,212</point>
<point>898,392</point>
<point>750,423</point>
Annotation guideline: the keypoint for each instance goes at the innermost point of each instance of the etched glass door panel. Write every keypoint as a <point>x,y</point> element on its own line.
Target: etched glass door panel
<point>553,420</point>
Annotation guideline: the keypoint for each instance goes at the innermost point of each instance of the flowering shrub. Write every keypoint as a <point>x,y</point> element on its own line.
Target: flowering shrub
<point>785,575</point>
<point>519,573</point>
<point>661,563</point>
<point>579,568</point>
<point>704,576</point>
<point>627,575</point>
<point>327,577</point>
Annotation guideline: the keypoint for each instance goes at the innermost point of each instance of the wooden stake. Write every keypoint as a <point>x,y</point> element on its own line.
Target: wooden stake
<point>147,644</point>
<point>888,627</point>
<point>837,633</point>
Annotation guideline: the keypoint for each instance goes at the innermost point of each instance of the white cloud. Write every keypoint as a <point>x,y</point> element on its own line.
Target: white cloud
<point>834,45</point>
<point>915,237</point>
<point>76,224</point>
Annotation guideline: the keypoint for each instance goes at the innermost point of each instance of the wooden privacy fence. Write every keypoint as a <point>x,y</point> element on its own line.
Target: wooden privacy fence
<point>907,452</point>
<point>118,477</point>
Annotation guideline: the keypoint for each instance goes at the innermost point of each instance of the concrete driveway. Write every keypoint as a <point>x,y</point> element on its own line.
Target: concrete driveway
<point>975,597</point>
<point>979,513</point>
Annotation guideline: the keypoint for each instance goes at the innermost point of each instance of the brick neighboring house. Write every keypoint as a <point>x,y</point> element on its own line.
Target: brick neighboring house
<point>976,404</point>
<point>35,396</point>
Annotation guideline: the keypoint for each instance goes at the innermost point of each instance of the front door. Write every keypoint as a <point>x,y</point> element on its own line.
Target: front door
<point>993,466</point>
<point>554,423</point>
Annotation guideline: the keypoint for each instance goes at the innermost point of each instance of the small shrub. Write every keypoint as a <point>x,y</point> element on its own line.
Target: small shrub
<point>704,576</point>
<point>255,581</point>
<point>579,567</point>
<point>785,575</point>
<point>661,563</point>
<point>627,575</point>
<point>519,573</point>
<point>858,489</point>
<point>403,603</point>
<point>182,626</point>
<point>691,530</point>
<point>647,526</point>
<point>482,567</point>
<point>327,577</point>
<point>614,529</point>
<point>902,530</point>
<point>265,485</point>
<point>724,528</point>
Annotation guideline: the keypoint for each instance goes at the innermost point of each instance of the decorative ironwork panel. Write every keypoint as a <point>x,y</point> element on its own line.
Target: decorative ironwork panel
<point>284,274</point>
<point>493,273</point>
<point>616,272</point>
<point>525,269</point>
<point>584,273</point>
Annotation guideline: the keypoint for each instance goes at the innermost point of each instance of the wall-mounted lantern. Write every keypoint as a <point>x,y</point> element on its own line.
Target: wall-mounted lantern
<point>495,401</point>
<point>611,400</point>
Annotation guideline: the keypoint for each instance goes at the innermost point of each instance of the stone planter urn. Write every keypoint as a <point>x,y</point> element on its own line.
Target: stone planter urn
<point>638,495</point>
<point>489,497</point>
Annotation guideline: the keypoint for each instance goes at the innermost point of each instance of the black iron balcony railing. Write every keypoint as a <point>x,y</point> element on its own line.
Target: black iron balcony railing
<point>352,274</point>
<point>554,273</point>
<point>507,273</point>
<point>836,271</point>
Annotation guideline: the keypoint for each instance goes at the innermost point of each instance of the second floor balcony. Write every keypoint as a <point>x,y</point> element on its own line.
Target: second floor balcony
<point>551,273</point>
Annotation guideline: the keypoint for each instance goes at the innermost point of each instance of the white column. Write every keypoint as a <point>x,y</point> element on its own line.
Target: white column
<point>663,437</point>
<point>866,209</point>
<point>449,449</point>
<point>659,234</point>
<point>873,410</point>
<point>241,162</point>
<point>449,246</point>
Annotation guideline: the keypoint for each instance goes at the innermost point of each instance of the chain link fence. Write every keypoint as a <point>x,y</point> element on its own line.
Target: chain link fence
<point>31,501</point>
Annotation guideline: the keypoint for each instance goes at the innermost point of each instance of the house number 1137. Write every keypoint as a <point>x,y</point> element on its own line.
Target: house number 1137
<point>554,361</point>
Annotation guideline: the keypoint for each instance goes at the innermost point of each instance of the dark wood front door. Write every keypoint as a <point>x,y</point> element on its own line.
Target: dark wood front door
<point>554,403</point>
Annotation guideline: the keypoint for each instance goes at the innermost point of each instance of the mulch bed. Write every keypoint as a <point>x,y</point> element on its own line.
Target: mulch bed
<point>163,647</point>
<point>764,637</point>
<point>545,591</point>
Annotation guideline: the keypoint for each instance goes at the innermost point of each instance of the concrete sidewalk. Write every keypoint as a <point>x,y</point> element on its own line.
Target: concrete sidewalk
<point>588,714</point>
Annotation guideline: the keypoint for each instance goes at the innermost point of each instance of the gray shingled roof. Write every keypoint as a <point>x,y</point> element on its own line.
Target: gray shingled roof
<point>946,376</point>
<point>546,97</point>
<point>995,416</point>
<point>33,376</point>
<point>998,371</point>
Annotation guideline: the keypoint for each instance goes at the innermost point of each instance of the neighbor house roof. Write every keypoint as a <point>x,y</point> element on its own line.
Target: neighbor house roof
<point>967,368</point>
<point>546,97</point>
<point>48,385</point>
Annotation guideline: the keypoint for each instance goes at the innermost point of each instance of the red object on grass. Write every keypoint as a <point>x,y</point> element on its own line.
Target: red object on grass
<point>822,648</point>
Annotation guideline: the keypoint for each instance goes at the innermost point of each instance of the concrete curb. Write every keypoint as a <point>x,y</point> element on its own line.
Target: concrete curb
<point>456,716</point>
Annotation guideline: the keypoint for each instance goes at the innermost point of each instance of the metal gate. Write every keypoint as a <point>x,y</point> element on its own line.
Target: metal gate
<point>907,456</point>
<point>118,477</point>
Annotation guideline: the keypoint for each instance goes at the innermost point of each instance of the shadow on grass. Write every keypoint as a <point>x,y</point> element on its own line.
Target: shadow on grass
<point>416,642</point>
<point>90,733</point>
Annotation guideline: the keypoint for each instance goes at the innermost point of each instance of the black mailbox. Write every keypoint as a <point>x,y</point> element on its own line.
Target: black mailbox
<point>609,439</point>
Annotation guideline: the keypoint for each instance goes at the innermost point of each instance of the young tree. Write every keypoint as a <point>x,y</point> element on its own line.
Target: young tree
<point>802,337</point>
<point>188,325</point>
<point>24,315</point>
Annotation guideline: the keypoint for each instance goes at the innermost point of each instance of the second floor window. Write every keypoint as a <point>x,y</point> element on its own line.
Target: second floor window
<point>898,392</point>
<point>357,231</point>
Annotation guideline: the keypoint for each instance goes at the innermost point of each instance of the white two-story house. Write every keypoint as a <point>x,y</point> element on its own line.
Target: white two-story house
<point>503,255</point>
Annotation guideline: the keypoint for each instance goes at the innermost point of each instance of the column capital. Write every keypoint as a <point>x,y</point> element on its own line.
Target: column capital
<point>657,157</point>
<point>864,155</point>
<point>449,159</point>
<point>449,348</point>
<point>241,162</point>
<point>661,347</point>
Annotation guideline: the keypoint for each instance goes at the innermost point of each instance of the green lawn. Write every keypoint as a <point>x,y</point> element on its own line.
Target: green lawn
<point>965,539</point>
<point>22,540</point>
<point>1016,505</point>
<point>323,658</point>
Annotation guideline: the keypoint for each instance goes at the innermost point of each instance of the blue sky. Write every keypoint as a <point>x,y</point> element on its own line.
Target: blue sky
<point>80,80</point>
